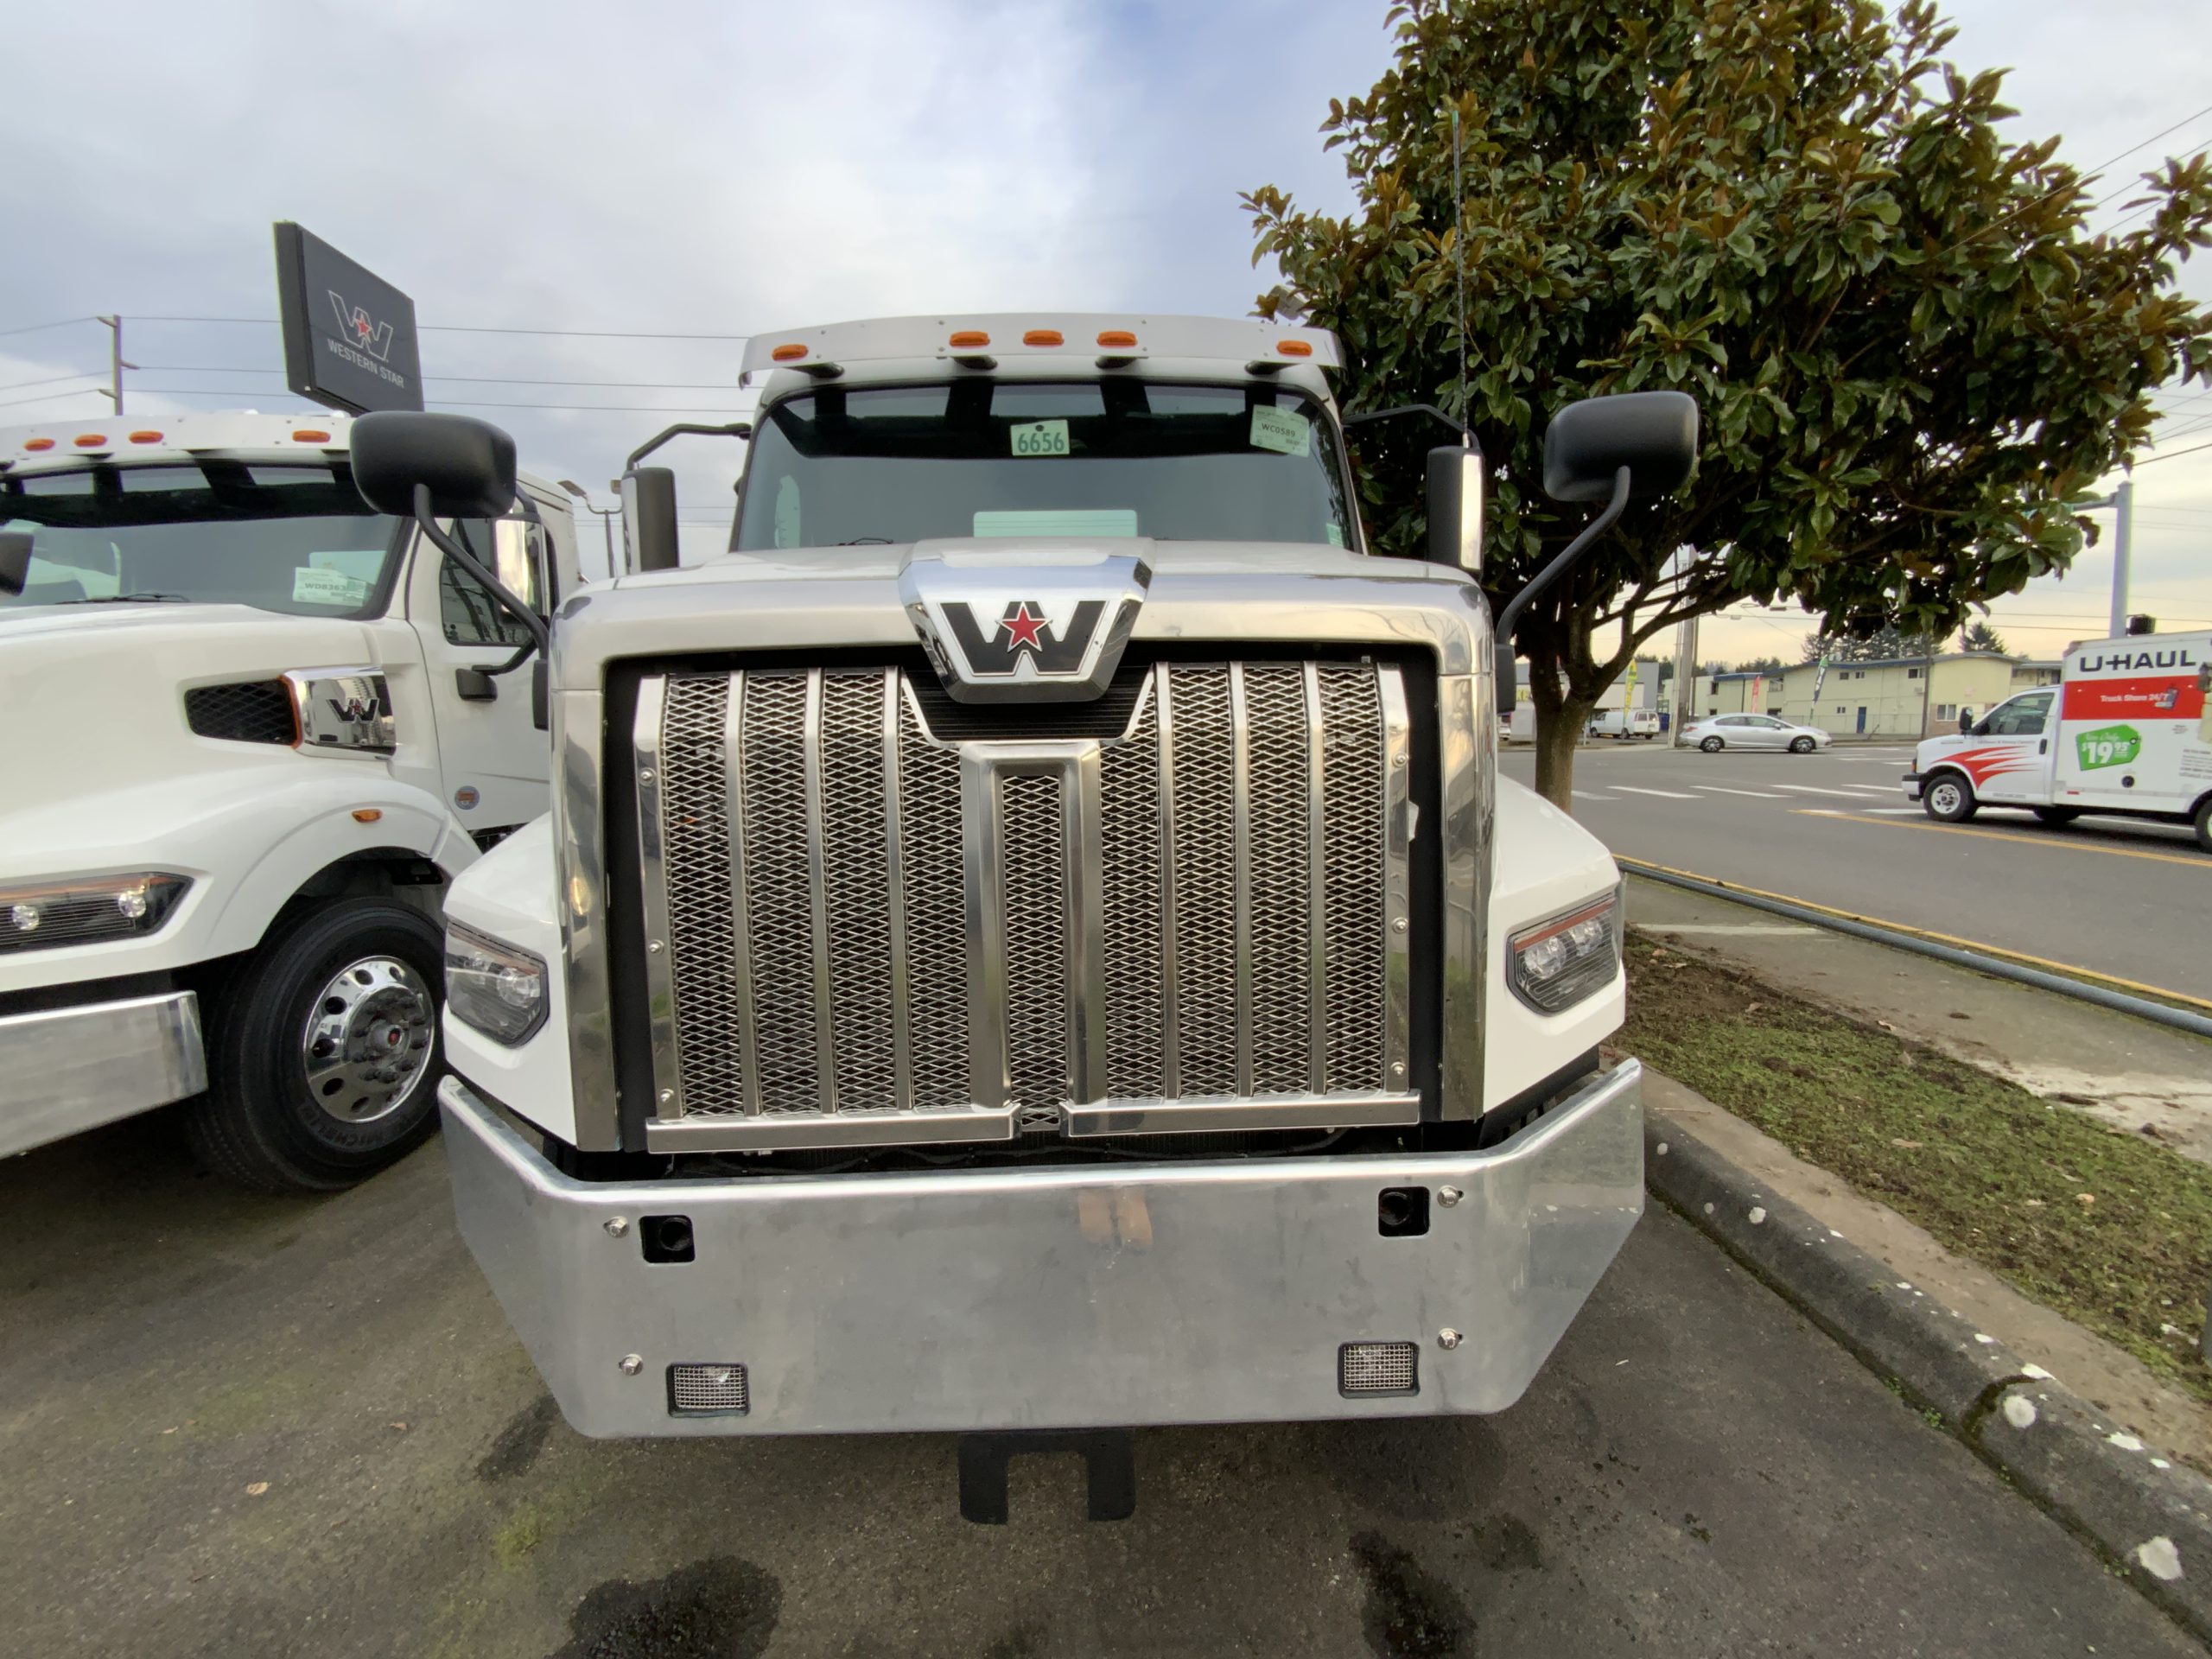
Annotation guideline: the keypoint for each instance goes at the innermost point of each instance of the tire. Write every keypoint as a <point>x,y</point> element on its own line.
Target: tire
<point>1948,798</point>
<point>322,1052</point>
<point>2204,824</point>
<point>1801,746</point>
<point>1712,746</point>
<point>2058,816</point>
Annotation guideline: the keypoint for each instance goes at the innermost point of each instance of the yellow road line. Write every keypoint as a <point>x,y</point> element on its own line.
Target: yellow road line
<point>2055,843</point>
<point>2114,980</point>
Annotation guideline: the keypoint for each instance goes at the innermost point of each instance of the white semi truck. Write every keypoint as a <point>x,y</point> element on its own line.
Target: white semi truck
<point>1035,938</point>
<point>254,730</point>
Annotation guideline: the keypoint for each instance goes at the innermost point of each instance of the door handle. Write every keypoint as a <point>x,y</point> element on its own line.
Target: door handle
<point>2043,745</point>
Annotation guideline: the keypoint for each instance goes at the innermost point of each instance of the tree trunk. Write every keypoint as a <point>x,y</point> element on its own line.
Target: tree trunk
<point>1559,729</point>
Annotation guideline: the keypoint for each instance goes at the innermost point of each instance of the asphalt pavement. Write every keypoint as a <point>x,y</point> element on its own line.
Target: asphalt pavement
<point>2114,895</point>
<point>240,1426</point>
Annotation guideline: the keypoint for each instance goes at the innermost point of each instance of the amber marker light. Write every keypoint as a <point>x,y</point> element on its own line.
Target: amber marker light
<point>367,814</point>
<point>968,339</point>
<point>91,439</point>
<point>310,435</point>
<point>37,445</point>
<point>1118,338</point>
<point>1296,348</point>
<point>1042,337</point>
<point>789,353</point>
<point>145,437</point>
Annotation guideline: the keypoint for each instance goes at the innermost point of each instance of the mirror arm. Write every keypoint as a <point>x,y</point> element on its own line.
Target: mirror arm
<point>1467,432</point>
<point>1551,573</point>
<point>541,637</point>
<point>681,428</point>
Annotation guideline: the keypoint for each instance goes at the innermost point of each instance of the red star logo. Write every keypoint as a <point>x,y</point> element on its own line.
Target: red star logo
<point>1022,627</point>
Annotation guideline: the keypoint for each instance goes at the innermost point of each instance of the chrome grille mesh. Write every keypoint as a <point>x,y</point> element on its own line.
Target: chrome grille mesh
<point>1215,929</point>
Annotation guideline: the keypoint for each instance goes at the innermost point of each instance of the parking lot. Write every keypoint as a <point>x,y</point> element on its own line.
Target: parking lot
<point>239,1426</point>
<point>1834,827</point>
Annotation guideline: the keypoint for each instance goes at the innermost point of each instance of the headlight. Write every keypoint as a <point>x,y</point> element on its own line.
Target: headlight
<point>492,987</point>
<point>88,911</point>
<point>1557,962</point>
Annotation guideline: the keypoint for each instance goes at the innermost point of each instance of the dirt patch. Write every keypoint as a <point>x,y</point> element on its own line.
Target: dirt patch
<point>1410,1613</point>
<point>719,1608</point>
<point>2106,1227</point>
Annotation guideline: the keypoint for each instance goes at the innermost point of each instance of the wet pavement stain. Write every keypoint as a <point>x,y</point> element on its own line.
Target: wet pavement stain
<point>1509,1546</point>
<point>520,1441</point>
<point>1410,1613</point>
<point>718,1608</point>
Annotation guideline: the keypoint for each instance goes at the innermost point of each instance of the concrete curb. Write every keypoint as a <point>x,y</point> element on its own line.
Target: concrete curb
<point>2150,1518</point>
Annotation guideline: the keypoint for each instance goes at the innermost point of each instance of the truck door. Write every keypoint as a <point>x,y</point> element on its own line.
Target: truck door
<point>2011,760</point>
<point>493,762</point>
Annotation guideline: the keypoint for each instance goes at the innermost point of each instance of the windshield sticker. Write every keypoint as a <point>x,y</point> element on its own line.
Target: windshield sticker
<point>1065,521</point>
<point>787,523</point>
<point>312,586</point>
<point>363,564</point>
<point>1281,431</point>
<point>1034,438</point>
<point>1335,533</point>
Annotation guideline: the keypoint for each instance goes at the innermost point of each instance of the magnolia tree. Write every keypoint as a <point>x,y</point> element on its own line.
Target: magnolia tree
<point>1912,357</point>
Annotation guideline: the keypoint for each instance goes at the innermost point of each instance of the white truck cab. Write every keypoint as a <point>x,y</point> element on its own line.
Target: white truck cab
<point>254,729</point>
<point>2125,733</point>
<point>1035,938</point>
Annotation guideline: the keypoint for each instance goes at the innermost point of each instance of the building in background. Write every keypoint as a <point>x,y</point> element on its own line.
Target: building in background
<point>2030,673</point>
<point>1891,698</point>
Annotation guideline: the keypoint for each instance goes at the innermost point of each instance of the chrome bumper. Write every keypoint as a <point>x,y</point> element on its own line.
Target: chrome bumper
<point>64,1070</point>
<point>1172,1293</point>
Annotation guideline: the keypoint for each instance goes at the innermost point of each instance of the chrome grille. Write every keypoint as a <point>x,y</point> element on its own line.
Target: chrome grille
<point>1185,927</point>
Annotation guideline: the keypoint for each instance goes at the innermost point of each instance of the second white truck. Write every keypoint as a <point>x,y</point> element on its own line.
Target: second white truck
<point>253,730</point>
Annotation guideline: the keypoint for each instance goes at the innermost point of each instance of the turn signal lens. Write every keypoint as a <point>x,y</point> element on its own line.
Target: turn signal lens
<point>1295,347</point>
<point>968,339</point>
<point>145,437</point>
<point>310,435</point>
<point>36,445</point>
<point>1121,338</point>
<point>92,441</point>
<point>1042,337</point>
<point>367,814</point>
<point>790,353</point>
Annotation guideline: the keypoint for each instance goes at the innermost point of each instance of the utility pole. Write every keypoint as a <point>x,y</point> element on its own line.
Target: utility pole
<point>116,365</point>
<point>1685,693</point>
<point>2122,501</point>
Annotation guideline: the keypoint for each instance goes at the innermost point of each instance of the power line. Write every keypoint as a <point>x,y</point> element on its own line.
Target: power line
<point>51,380</point>
<point>2073,183</point>
<point>34,328</point>
<point>471,379</point>
<point>2175,455</point>
<point>464,329</point>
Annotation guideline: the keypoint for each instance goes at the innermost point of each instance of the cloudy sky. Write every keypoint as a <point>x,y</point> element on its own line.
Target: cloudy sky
<point>708,170</point>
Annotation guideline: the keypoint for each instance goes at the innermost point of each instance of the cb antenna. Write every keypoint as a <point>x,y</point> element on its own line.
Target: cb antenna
<point>1459,266</point>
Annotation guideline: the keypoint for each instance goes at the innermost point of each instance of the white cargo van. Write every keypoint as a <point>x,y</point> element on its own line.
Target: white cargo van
<point>2124,731</point>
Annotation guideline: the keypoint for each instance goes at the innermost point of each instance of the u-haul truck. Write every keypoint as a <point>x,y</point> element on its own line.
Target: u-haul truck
<point>2124,731</point>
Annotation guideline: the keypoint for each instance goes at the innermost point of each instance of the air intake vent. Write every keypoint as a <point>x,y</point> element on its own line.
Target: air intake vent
<point>1372,1367</point>
<point>707,1390</point>
<point>248,711</point>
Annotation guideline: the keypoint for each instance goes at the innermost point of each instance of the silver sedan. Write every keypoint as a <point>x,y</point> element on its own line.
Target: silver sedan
<point>1717,732</point>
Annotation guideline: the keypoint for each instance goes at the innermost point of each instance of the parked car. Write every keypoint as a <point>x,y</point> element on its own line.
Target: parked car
<point>1717,732</point>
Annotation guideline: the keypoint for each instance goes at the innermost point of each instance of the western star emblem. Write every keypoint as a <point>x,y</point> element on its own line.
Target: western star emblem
<point>369,335</point>
<point>1056,636</point>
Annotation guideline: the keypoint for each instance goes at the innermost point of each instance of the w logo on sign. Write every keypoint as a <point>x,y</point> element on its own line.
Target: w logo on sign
<point>355,324</point>
<point>1024,628</point>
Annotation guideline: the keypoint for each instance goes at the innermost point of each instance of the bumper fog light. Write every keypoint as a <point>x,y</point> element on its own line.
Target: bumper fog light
<point>91,911</point>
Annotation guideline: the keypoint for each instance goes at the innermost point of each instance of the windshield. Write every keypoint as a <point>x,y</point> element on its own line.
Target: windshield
<point>1109,458</point>
<point>295,539</point>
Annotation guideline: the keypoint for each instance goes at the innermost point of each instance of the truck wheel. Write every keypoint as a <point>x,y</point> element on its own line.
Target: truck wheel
<point>2058,816</point>
<point>2204,824</point>
<point>323,1050</point>
<point>1801,746</point>
<point>1710,746</point>
<point>1949,797</point>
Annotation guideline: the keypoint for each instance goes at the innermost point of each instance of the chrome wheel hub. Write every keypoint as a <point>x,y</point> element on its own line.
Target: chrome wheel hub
<point>366,1045</point>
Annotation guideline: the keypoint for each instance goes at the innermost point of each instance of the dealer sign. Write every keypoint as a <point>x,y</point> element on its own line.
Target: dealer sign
<point>349,336</point>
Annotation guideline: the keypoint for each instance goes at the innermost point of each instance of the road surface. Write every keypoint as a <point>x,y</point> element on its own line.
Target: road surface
<point>237,1426</point>
<point>2110,894</point>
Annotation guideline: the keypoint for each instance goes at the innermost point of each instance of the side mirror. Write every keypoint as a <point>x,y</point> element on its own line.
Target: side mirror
<point>14,560</point>
<point>541,697</point>
<point>1455,508</point>
<point>649,518</point>
<point>467,465</point>
<point>1965,720</point>
<point>1653,434</point>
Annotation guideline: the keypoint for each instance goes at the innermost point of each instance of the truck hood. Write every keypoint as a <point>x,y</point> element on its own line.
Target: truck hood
<point>94,694</point>
<point>824,598</point>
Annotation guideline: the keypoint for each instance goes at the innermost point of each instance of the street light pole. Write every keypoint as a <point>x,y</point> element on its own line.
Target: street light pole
<point>2122,501</point>
<point>606,518</point>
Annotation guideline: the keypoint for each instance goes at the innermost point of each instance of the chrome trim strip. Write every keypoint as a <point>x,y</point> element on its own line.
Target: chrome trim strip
<point>660,973</point>
<point>902,1033</point>
<point>817,892</point>
<point>1084,864</point>
<point>1397,832</point>
<point>1170,1037</point>
<point>983,838</point>
<point>579,832</point>
<point>796,1131</point>
<point>1317,883</point>
<point>1467,735</point>
<point>1240,838</point>
<point>741,913</point>
<point>1230,1114</point>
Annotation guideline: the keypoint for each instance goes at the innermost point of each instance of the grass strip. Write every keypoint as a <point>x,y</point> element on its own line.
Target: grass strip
<point>2107,1228</point>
